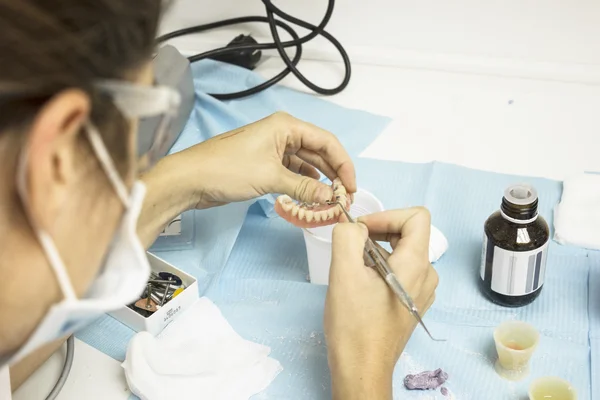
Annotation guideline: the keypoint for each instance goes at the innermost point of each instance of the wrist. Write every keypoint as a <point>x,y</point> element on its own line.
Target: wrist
<point>368,380</point>
<point>168,194</point>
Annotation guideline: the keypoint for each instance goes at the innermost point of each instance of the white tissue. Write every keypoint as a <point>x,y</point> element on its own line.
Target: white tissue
<point>577,216</point>
<point>438,244</point>
<point>198,356</point>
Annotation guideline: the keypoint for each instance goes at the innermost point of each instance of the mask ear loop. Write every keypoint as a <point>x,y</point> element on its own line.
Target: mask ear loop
<point>107,163</point>
<point>44,238</point>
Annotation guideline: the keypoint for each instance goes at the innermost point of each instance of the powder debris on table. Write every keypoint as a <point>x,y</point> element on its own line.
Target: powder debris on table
<point>426,380</point>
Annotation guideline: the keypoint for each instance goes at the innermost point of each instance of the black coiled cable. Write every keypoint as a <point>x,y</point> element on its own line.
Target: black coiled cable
<point>296,41</point>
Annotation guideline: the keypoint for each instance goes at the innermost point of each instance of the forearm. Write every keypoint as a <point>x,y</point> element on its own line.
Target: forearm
<point>169,192</point>
<point>354,382</point>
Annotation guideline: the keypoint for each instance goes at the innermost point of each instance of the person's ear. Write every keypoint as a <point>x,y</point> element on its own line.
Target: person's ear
<point>52,153</point>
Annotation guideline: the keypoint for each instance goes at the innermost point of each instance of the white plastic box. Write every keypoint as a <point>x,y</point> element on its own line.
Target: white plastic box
<point>179,234</point>
<point>168,312</point>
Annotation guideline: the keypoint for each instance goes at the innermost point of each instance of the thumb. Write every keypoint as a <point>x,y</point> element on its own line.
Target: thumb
<point>303,188</point>
<point>347,247</point>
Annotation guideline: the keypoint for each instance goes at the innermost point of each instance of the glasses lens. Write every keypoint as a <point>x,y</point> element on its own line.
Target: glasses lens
<point>155,138</point>
<point>146,131</point>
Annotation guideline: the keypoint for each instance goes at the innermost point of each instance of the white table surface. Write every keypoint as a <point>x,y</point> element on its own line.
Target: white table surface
<point>510,125</point>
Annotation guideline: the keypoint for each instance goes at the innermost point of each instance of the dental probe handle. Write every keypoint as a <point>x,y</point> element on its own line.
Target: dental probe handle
<point>382,267</point>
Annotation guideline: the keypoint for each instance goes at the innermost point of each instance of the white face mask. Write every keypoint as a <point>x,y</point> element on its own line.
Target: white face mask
<point>121,279</point>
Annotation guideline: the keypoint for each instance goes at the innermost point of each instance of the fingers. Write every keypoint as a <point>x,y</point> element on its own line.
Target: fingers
<point>347,244</point>
<point>384,253</point>
<point>303,135</point>
<point>295,164</point>
<point>428,304</point>
<point>429,288</point>
<point>409,227</point>
<point>302,188</point>
<point>314,159</point>
<point>407,230</point>
<point>309,171</point>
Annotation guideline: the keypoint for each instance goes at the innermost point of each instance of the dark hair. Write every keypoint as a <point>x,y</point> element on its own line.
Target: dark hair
<point>50,45</point>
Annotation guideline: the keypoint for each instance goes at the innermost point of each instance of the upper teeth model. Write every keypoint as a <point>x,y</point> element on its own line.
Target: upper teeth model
<point>313,215</point>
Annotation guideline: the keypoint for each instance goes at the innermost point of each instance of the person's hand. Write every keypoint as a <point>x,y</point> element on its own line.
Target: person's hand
<point>366,326</point>
<point>277,154</point>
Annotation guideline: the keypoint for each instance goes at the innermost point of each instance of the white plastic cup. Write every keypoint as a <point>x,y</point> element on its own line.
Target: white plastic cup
<point>318,240</point>
<point>515,343</point>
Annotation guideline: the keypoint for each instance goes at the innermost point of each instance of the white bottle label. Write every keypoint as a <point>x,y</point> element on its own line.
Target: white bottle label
<point>514,273</point>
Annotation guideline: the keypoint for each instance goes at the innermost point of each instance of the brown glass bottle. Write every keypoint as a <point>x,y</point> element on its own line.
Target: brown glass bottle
<point>515,248</point>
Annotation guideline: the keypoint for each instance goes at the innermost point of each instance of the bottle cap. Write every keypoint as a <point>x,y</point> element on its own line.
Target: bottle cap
<point>520,194</point>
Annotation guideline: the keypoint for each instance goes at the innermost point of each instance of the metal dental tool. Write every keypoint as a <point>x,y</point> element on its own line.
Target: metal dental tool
<point>382,267</point>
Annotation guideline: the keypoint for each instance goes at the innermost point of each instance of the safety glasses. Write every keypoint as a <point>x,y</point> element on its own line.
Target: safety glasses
<point>154,106</point>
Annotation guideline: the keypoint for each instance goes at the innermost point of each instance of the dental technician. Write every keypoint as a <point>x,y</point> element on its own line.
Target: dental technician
<point>78,205</point>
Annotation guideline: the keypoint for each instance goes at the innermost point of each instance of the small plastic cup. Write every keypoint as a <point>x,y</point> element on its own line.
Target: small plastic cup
<point>515,343</point>
<point>551,388</point>
<point>318,240</point>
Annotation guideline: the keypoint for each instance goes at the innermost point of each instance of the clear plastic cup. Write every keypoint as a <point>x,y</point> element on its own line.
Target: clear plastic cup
<point>318,240</point>
<point>515,343</point>
<point>551,388</point>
